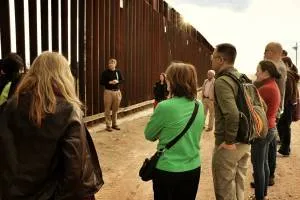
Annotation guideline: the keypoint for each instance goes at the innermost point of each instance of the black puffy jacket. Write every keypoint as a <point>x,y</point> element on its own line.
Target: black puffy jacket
<point>56,161</point>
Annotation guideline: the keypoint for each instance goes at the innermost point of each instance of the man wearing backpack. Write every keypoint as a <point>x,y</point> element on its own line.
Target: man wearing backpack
<point>230,158</point>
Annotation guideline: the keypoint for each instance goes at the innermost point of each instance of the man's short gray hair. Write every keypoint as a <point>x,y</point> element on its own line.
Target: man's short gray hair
<point>211,72</point>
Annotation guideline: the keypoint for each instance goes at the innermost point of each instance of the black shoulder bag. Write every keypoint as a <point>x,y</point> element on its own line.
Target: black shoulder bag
<point>147,170</point>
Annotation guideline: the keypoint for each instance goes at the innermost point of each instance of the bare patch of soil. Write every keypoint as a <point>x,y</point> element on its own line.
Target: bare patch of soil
<point>121,154</point>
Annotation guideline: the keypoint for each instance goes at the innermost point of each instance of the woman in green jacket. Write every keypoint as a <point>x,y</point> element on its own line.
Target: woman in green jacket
<point>177,172</point>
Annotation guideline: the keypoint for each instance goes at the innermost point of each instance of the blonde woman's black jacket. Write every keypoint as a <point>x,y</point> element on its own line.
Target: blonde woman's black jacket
<point>51,162</point>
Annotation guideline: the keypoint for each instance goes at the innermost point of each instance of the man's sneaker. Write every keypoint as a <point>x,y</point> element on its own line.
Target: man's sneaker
<point>252,197</point>
<point>116,128</point>
<point>271,181</point>
<point>283,154</point>
<point>109,129</point>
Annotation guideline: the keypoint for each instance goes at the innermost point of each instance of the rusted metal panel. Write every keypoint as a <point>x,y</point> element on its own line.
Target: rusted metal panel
<point>20,34</point>
<point>5,27</point>
<point>89,56</point>
<point>54,21</point>
<point>44,24</point>
<point>33,30</point>
<point>95,63</point>
<point>155,4</point>
<point>74,40</point>
<point>101,44</point>
<point>128,51</point>
<point>123,58</point>
<point>64,27</point>
<point>117,31</point>
<point>107,29</point>
<point>112,23</point>
<point>139,68</point>
<point>82,50</point>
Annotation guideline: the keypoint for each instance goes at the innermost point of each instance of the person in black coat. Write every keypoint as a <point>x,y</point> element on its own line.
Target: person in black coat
<point>160,90</point>
<point>290,102</point>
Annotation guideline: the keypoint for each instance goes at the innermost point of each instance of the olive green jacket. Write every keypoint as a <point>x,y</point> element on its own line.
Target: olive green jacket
<point>226,111</point>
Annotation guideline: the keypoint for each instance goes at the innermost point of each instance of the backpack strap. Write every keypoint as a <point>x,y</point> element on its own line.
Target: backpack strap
<point>235,79</point>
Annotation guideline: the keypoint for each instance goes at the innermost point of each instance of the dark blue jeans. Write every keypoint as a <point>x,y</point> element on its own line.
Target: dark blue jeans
<point>259,159</point>
<point>272,156</point>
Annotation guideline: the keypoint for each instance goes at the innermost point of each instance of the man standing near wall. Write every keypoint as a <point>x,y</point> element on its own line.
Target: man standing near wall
<point>208,98</point>
<point>111,79</point>
<point>230,158</point>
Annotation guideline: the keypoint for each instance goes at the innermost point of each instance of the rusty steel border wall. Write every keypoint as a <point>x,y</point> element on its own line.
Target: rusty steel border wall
<point>143,35</point>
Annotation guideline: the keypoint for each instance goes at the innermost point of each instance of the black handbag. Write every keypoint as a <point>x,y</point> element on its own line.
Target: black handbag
<point>147,170</point>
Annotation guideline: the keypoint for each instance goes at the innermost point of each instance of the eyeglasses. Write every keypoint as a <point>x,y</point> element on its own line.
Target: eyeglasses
<point>215,57</point>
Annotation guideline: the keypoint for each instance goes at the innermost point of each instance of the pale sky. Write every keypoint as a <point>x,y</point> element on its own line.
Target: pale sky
<point>247,24</point>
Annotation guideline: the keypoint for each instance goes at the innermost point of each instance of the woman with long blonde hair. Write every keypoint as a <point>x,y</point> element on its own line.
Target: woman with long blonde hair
<point>48,155</point>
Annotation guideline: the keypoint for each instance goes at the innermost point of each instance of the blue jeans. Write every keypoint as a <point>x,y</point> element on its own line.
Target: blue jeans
<point>259,159</point>
<point>272,156</point>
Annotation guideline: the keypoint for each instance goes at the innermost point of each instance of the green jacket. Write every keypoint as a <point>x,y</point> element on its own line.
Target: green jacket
<point>226,111</point>
<point>4,93</point>
<point>168,120</point>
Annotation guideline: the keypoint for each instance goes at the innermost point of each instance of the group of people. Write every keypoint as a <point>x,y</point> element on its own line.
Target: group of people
<point>48,153</point>
<point>177,173</point>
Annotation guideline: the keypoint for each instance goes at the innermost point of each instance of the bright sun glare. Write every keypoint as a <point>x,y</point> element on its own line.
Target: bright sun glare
<point>188,15</point>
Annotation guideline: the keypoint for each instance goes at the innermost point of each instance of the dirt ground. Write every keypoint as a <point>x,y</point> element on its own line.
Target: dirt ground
<point>121,153</point>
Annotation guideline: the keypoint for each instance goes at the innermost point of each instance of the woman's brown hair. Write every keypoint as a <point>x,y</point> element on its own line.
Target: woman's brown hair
<point>270,67</point>
<point>182,78</point>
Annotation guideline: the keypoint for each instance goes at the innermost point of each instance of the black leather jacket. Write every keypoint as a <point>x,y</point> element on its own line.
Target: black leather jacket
<point>55,161</point>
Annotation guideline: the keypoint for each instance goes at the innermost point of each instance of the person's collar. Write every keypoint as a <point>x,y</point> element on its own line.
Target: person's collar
<point>258,84</point>
<point>224,69</point>
<point>275,61</point>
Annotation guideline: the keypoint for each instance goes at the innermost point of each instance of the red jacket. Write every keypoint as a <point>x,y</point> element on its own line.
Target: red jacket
<point>270,93</point>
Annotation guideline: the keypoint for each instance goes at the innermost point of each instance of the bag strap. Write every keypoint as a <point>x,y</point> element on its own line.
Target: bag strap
<point>188,125</point>
<point>234,78</point>
<point>237,80</point>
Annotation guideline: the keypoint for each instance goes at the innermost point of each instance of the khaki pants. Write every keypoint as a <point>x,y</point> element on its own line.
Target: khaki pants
<point>229,168</point>
<point>209,106</point>
<point>112,101</point>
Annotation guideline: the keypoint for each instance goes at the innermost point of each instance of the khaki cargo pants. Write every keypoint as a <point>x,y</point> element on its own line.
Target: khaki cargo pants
<point>229,168</point>
<point>112,101</point>
<point>209,107</point>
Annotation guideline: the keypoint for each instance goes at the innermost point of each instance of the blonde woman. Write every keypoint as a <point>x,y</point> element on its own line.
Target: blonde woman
<point>44,141</point>
<point>178,169</point>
